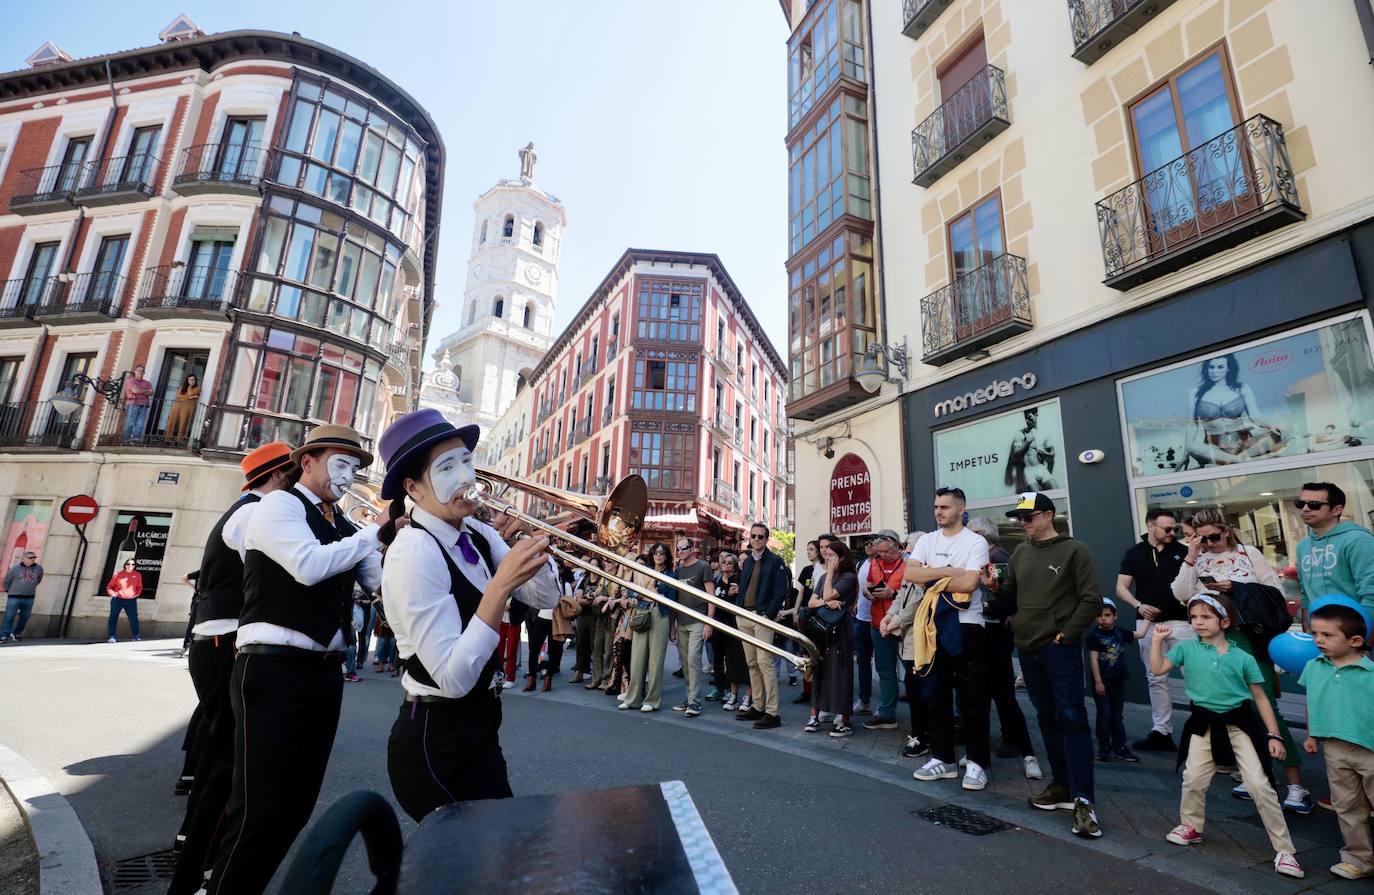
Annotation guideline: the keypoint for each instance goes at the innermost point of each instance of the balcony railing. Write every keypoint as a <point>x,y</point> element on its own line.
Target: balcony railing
<point>218,167</point>
<point>726,495</point>
<point>89,297</point>
<point>920,15</point>
<point>20,298</point>
<point>37,424</point>
<point>179,291</point>
<point>46,189</point>
<point>124,178</point>
<point>606,415</point>
<point>967,120</point>
<point>1099,25</point>
<point>612,348</point>
<point>1230,189</point>
<point>162,424</point>
<point>982,307</point>
<point>583,431</point>
<point>722,422</point>
<point>739,436</point>
<point>540,458</point>
<point>725,358</point>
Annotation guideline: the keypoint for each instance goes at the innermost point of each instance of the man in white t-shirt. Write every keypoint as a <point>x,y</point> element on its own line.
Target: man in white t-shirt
<point>954,552</point>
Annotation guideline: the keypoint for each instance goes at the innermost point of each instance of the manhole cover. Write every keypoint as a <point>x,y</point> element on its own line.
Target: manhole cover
<point>131,873</point>
<point>975,823</point>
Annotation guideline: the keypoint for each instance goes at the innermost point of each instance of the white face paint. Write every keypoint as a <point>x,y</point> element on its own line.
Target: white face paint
<point>341,468</point>
<point>451,473</point>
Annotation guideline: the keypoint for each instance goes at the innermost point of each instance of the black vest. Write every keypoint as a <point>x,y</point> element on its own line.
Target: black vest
<point>271,595</point>
<point>467,596</point>
<point>221,572</point>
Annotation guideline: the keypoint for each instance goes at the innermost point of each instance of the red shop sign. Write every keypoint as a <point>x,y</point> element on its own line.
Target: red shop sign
<point>851,497</point>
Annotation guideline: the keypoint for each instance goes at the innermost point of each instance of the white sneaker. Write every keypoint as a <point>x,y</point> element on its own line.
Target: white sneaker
<point>1287,865</point>
<point>935,769</point>
<point>1032,768</point>
<point>729,704</point>
<point>111,640</point>
<point>975,777</point>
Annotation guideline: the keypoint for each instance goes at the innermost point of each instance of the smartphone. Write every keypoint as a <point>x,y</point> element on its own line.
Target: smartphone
<point>1206,579</point>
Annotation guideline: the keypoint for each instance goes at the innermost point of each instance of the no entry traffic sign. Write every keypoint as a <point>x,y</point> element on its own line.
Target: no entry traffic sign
<point>80,509</point>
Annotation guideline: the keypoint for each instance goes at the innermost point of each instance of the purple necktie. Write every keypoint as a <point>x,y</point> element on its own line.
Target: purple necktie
<point>470,554</point>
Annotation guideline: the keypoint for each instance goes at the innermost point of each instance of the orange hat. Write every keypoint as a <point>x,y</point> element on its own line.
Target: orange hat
<point>260,461</point>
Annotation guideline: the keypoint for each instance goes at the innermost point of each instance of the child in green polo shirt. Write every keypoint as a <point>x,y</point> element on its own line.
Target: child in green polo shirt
<point>1340,713</point>
<point>1223,683</point>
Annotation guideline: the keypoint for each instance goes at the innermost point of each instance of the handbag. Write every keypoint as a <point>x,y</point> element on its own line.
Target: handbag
<point>568,607</point>
<point>641,620</point>
<point>823,622</point>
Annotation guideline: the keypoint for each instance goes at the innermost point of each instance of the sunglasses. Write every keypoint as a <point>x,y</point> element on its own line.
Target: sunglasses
<point>1311,504</point>
<point>759,537</point>
<point>1023,518</point>
<point>1213,539</point>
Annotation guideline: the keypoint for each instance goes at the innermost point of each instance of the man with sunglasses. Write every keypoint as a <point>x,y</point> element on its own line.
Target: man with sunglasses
<point>1052,584</point>
<point>21,584</point>
<point>693,570</point>
<point>1151,565</point>
<point>764,582</point>
<point>1336,557</point>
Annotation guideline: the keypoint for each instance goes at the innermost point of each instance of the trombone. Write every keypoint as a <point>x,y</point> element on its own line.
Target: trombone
<point>617,519</point>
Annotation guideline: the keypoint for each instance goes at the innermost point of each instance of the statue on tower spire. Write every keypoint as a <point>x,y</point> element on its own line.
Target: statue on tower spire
<point>527,160</point>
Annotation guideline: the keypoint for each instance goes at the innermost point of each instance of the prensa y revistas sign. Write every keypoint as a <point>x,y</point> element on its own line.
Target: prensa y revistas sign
<point>998,388</point>
<point>851,496</point>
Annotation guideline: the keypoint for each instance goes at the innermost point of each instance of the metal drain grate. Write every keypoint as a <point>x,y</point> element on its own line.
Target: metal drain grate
<point>975,823</point>
<point>133,873</point>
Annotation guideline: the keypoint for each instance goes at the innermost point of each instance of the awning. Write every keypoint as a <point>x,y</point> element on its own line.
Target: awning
<point>660,521</point>
<point>724,521</point>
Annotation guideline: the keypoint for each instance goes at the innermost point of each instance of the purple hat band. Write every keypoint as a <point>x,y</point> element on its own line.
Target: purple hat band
<point>410,435</point>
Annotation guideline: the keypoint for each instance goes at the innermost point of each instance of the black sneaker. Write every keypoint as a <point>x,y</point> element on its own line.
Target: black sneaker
<point>880,724</point>
<point>802,699</point>
<point>752,715</point>
<point>16,638</point>
<point>1155,742</point>
<point>1124,754</point>
<point>915,747</point>
<point>768,722</point>
<point>1104,755</point>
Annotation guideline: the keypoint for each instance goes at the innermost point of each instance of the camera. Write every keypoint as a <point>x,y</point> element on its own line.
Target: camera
<point>829,453</point>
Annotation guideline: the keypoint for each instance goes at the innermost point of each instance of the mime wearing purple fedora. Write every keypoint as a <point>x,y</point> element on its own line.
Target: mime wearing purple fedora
<point>446,579</point>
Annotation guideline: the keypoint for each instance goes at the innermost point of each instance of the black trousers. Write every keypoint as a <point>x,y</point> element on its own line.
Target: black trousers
<point>920,714</point>
<point>212,666</point>
<point>1002,686</point>
<point>286,711</point>
<point>585,623</point>
<point>968,674</point>
<point>444,752</point>
<point>541,629</point>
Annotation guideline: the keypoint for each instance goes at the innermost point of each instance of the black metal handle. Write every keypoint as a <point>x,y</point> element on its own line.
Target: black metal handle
<point>322,850</point>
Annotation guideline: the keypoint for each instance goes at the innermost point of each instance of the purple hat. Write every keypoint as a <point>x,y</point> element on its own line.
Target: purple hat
<point>410,436</point>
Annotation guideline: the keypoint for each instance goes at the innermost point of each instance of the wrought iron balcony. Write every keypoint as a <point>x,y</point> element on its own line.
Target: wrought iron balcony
<point>540,458</point>
<point>726,495</point>
<point>612,348</point>
<point>722,422</point>
<point>920,15</point>
<point>220,168</point>
<point>125,178</point>
<point>985,306</point>
<point>179,291</point>
<point>724,358</point>
<point>606,414</point>
<point>964,123</point>
<point>37,424</point>
<point>163,424</point>
<point>90,297</point>
<point>571,441</point>
<point>583,431</point>
<point>739,436</point>
<point>1236,186</point>
<point>1099,25</point>
<point>20,298</point>
<point>46,189</point>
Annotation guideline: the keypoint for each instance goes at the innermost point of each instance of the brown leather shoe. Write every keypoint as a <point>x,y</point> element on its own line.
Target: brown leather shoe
<point>548,683</point>
<point>529,684</point>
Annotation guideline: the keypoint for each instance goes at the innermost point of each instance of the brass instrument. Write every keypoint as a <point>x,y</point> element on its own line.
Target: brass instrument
<point>617,519</point>
<point>362,498</point>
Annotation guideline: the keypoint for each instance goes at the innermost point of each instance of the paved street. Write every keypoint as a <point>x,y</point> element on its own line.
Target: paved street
<point>789,812</point>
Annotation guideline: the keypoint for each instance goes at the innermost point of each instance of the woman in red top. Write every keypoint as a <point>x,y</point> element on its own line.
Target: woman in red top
<point>124,589</point>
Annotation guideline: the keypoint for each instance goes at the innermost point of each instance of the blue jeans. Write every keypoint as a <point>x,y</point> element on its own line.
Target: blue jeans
<point>135,421</point>
<point>130,608</point>
<point>17,610</point>
<point>1054,680</point>
<point>885,659</point>
<point>1111,729</point>
<point>863,659</point>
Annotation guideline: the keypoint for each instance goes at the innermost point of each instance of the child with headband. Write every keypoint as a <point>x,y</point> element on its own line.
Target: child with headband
<point>1231,722</point>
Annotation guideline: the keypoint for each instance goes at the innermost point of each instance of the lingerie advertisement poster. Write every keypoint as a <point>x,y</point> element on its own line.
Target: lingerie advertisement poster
<point>1294,395</point>
<point>141,537</point>
<point>1020,450</point>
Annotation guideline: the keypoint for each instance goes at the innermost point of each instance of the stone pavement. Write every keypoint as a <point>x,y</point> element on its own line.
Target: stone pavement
<point>1137,804</point>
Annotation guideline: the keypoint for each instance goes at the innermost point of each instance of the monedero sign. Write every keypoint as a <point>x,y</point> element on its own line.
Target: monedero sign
<point>851,497</point>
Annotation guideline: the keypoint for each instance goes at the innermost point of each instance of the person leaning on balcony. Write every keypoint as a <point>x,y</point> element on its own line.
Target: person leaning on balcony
<point>184,407</point>
<point>137,397</point>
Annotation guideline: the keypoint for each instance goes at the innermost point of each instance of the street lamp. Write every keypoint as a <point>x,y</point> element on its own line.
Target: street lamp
<point>872,375</point>
<point>64,404</point>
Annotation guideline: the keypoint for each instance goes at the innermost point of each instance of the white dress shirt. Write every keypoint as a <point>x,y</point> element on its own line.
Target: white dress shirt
<point>232,534</point>
<point>417,596</point>
<point>278,529</point>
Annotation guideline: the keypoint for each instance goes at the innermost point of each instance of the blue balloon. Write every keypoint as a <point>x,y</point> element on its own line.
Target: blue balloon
<point>1292,650</point>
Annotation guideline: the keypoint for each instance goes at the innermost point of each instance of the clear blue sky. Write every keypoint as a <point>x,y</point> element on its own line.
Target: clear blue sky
<point>659,124</point>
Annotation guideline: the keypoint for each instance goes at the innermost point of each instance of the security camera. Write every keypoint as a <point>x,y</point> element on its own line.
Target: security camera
<point>829,453</point>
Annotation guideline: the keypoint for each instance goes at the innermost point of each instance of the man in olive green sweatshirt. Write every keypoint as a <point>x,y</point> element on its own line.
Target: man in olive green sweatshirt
<point>1052,583</point>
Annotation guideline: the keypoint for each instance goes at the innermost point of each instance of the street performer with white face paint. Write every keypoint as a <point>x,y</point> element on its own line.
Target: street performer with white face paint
<point>447,579</point>
<point>302,559</point>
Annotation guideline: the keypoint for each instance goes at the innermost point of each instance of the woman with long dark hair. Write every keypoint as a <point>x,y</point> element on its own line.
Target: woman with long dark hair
<point>183,407</point>
<point>1226,420</point>
<point>649,646</point>
<point>832,684</point>
<point>445,583</point>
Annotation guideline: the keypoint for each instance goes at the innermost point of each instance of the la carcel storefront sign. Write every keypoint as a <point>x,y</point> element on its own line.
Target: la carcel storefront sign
<point>851,497</point>
<point>998,388</point>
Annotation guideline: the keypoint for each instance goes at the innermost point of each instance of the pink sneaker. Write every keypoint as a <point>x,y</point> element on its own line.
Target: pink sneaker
<point>1288,865</point>
<point>1185,835</point>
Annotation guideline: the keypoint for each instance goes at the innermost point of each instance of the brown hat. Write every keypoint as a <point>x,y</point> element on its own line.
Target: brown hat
<point>334,438</point>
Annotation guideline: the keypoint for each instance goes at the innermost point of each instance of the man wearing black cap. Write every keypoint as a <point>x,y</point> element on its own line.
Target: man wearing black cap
<point>302,559</point>
<point>1052,583</point>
